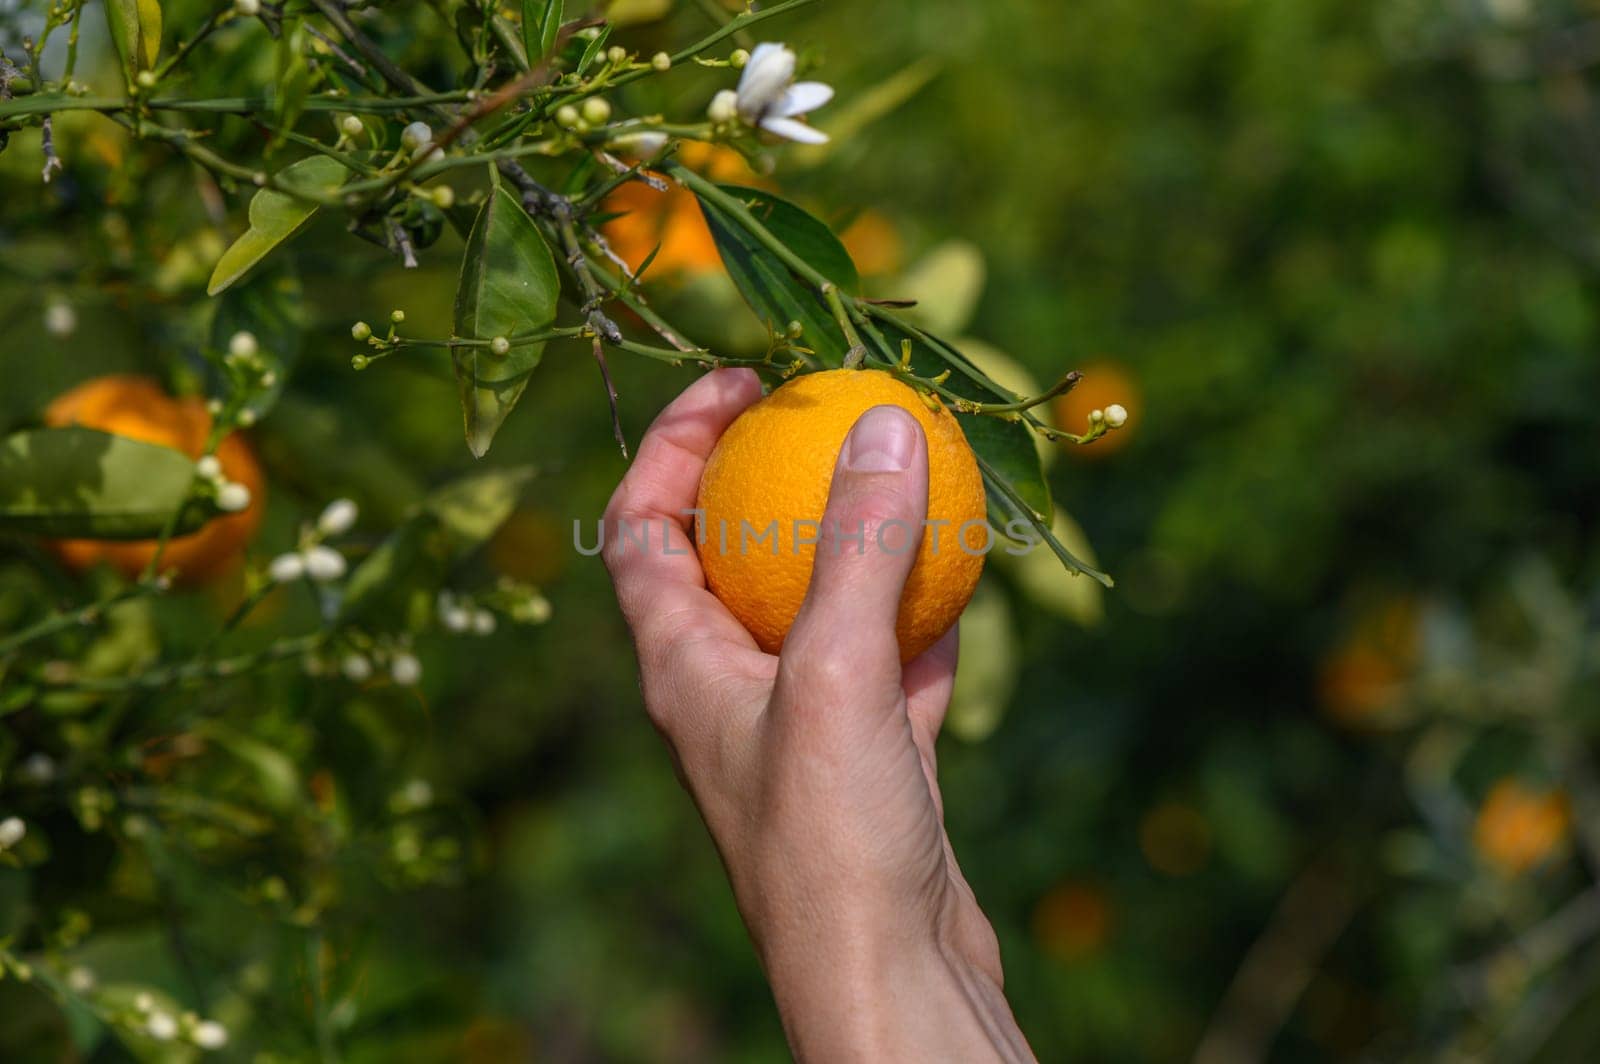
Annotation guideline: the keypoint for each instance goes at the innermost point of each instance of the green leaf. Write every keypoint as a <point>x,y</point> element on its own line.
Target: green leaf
<point>473,508</point>
<point>77,482</point>
<point>271,307</point>
<point>773,290</point>
<point>276,216</point>
<point>136,31</point>
<point>508,287</point>
<point>541,24</point>
<point>293,76</point>
<point>279,780</point>
<point>597,43</point>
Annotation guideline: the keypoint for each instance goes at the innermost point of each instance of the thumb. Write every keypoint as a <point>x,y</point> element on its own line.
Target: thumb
<point>844,635</point>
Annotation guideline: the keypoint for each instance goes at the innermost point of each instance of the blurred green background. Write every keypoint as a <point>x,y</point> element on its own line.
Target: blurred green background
<point>1338,260</point>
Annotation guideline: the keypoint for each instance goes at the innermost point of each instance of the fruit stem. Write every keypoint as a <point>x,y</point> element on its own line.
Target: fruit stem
<point>857,355</point>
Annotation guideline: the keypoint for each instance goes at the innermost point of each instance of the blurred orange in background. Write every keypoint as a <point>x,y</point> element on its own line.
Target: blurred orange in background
<point>1365,676</point>
<point>1103,383</point>
<point>672,218</point>
<point>1519,827</point>
<point>137,407</point>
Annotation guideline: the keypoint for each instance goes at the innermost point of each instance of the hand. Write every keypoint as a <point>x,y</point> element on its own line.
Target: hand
<point>815,769</point>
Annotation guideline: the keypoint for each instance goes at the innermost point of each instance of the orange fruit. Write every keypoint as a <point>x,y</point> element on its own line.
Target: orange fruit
<point>1518,827</point>
<point>1365,678</point>
<point>874,244</point>
<point>136,407</point>
<point>672,218</point>
<point>1103,383</point>
<point>770,473</point>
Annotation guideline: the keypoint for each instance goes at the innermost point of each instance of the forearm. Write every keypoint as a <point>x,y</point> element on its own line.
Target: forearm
<point>860,1001</point>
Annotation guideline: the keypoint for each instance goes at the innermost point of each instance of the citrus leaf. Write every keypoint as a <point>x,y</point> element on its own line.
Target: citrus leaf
<point>773,290</point>
<point>136,31</point>
<point>508,287</point>
<point>473,508</point>
<point>541,23</point>
<point>83,483</point>
<point>293,76</point>
<point>276,216</point>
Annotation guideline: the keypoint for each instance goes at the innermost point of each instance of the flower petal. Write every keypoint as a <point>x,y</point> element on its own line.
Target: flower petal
<point>766,75</point>
<point>801,97</point>
<point>789,129</point>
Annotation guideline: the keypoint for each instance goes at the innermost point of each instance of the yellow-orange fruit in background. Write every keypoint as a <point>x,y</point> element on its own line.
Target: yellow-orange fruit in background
<point>672,218</point>
<point>1103,383</point>
<point>775,464</point>
<point>1073,921</point>
<point>1365,677</point>
<point>874,244</point>
<point>136,407</point>
<point>1517,827</point>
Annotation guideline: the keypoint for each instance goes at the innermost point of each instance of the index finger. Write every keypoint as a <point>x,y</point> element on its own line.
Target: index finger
<point>648,550</point>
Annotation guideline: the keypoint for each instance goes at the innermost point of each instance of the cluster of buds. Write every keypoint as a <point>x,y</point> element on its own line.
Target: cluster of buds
<point>314,560</point>
<point>230,496</point>
<point>151,1020</point>
<point>1112,417</point>
<point>461,615</point>
<point>360,663</point>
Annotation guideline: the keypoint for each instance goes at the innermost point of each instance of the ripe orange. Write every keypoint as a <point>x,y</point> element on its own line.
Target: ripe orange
<point>874,244</point>
<point>136,407</point>
<point>1103,383</point>
<point>775,464</point>
<point>1364,679</point>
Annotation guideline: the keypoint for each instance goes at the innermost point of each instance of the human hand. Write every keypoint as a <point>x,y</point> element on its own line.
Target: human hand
<point>815,770</point>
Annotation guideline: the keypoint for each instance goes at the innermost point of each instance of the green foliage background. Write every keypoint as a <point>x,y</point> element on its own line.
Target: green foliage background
<point>1346,248</point>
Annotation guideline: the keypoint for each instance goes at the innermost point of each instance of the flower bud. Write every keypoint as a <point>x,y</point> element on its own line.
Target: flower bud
<point>360,331</point>
<point>405,669</point>
<point>12,830</point>
<point>209,1034</point>
<point>146,79</point>
<point>324,564</point>
<point>60,320</point>
<point>397,316</point>
<point>416,136</point>
<point>208,467</point>
<point>482,622</point>
<point>286,568</point>
<point>596,110</point>
<point>444,197</point>
<point>337,518</point>
<point>161,1026</point>
<point>738,58</point>
<point>661,61</point>
<point>567,116</point>
<point>724,106</point>
<point>616,54</point>
<point>1096,416</point>
<point>232,497</point>
<point>243,344</point>
<point>247,8</point>
<point>351,126</point>
<point>356,668</point>
<point>500,346</point>
<point>1116,415</point>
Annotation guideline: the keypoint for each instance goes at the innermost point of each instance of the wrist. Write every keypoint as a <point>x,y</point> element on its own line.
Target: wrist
<point>864,995</point>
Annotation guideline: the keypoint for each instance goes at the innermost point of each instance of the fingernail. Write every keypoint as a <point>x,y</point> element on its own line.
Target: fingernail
<point>883,441</point>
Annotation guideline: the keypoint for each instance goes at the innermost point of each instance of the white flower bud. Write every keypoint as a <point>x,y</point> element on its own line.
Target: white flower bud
<point>209,1034</point>
<point>482,622</point>
<point>661,61</point>
<point>60,320</point>
<point>337,518</point>
<point>455,618</point>
<point>12,830</point>
<point>360,331</point>
<point>738,58</point>
<point>640,144</point>
<point>1116,415</point>
<point>500,347</point>
<point>416,136</point>
<point>356,668</point>
<point>416,794</point>
<point>143,1002</point>
<point>616,54</point>
<point>405,669</point>
<point>247,8</point>
<point>243,345</point>
<point>596,110</point>
<point>351,126</point>
<point>80,980</point>
<point>208,466</point>
<point>444,197</point>
<point>567,116</point>
<point>324,564</point>
<point>38,768</point>
<point>1096,416</point>
<point>286,568</point>
<point>232,497</point>
<point>724,106</point>
<point>245,418</point>
<point>161,1027</point>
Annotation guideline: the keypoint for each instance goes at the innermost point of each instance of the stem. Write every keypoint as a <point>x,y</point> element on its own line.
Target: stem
<point>57,622</point>
<point>857,354</point>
